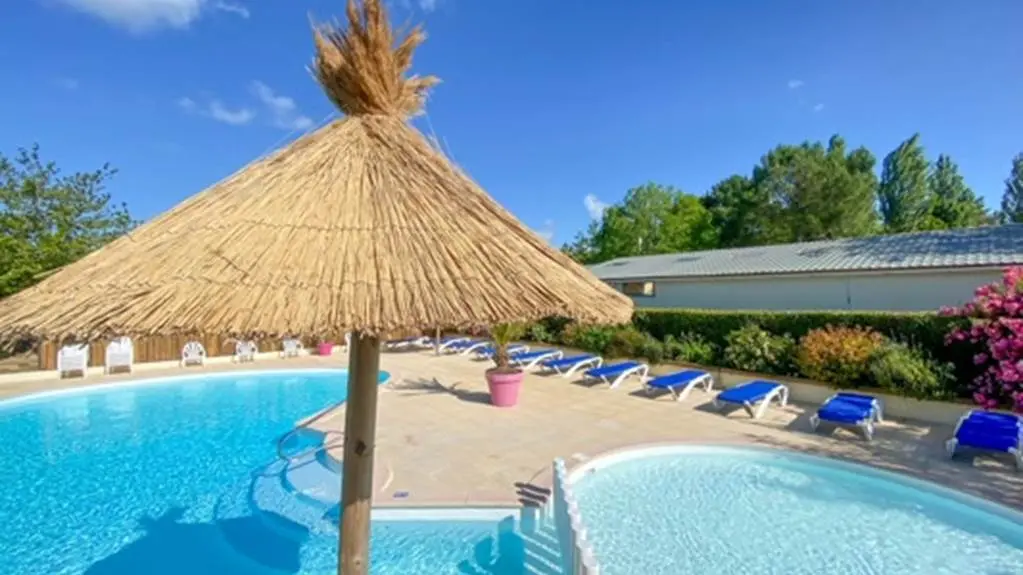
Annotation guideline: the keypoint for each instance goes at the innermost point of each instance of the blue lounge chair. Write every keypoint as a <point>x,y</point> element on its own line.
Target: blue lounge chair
<point>614,373</point>
<point>990,431</point>
<point>754,394</point>
<point>849,410</point>
<point>487,351</point>
<point>471,346</point>
<point>681,383</point>
<point>444,343</point>
<point>464,344</point>
<point>530,359</point>
<point>406,342</point>
<point>566,366</point>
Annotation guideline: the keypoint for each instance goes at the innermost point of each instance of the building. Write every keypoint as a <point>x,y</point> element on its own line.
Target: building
<point>915,271</point>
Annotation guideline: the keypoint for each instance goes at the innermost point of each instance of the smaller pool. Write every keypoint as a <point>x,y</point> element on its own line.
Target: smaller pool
<point>704,510</point>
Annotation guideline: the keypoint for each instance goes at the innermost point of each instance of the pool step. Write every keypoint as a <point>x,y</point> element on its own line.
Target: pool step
<point>270,528</point>
<point>309,477</point>
<point>273,497</point>
<point>266,526</point>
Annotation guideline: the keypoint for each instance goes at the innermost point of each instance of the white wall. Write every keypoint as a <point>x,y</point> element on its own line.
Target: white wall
<point>892,291</point>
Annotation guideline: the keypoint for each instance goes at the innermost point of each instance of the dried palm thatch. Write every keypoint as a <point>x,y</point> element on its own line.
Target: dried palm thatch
<point>361,225</point>
<point>360,69</point>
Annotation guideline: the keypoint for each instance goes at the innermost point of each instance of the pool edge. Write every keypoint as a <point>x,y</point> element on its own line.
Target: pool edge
<point>637,451</point>
<point>112,385</point>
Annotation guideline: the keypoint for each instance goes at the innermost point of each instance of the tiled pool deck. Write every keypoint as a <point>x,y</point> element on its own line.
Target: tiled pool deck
<point>441,443</point>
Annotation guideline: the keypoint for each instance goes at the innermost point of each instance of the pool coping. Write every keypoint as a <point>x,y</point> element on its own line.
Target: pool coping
<point>622,454</point>
<point>443,513</point>
<point>111,385</point>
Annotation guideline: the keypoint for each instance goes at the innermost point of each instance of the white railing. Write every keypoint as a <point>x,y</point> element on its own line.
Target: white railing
<point>563,510</point>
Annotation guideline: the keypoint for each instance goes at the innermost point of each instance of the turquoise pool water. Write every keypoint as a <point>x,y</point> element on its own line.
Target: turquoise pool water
<point>712,510</point>
<point>178,476</point>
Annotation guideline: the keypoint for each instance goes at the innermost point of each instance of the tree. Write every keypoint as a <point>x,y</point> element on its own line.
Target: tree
<point>689,227</point>
<point>652,219</point>
<point>820,192</point>
<point>1012,198</point>
<point>741,212</point>
<point>48,220</point>
<point>796,193</point>
<point>583,249</point>
<point>954,203</point>
<point>903,194</point>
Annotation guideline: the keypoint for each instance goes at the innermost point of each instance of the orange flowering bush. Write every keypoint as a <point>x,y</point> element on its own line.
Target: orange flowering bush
<point>838,355</point>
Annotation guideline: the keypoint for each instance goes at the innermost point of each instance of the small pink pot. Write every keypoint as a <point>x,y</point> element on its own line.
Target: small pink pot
<point>325,348</point>
<point>504,387</point>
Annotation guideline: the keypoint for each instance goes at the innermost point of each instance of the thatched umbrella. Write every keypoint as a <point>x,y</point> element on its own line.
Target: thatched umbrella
<point>361,226</point>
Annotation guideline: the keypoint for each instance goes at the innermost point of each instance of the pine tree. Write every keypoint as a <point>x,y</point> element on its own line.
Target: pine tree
<point>1012,199</point>
<point>954,203</point>
<point>903,194</point>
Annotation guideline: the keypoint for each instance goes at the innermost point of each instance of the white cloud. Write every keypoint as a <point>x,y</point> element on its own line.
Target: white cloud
<point>140,16</point>
<point>795,84</point>
<point>428,5</point>
<point>594,206</point>
<point>283,111</point>
<point>546,231</point>
<point>236,117</point>
<point>231,8</point>
<point>818,107</point>
<point>216,110</point>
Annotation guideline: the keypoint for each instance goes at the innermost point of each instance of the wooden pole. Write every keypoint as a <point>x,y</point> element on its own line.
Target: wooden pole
<point>360,444</point>
<point>436,341</point>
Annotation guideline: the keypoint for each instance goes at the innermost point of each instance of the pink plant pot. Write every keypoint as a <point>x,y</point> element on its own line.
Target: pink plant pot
<point>325,348</point>
<point>504,388</point>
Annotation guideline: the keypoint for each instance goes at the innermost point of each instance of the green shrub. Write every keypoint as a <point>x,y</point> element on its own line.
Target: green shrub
<point>924,330</point>
<point>555,326</point>
<point>838,355</point>
<point>673,348</point>
<point>538,332</point>
<point>691,348</point>
<point>591,338</point>
<point>751,348</point>
<point>627,342</point>
<point>907,371</point>
<point>651,349</point>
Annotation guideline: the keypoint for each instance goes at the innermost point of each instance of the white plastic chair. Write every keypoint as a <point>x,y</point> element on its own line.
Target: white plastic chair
<point>245,351</point>
<point>72,358</point>
<point>193,352</point>
<point>120,353</point>
<point>290,347</point>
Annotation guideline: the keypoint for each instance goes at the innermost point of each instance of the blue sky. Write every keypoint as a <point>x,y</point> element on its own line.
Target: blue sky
<point>554,106</point>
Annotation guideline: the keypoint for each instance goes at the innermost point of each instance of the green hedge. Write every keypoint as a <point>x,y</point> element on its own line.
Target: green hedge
<point>924,330</point>
<point>677,328</point>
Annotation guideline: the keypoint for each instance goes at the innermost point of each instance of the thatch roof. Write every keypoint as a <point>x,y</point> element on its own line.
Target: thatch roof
<point>361,225</point>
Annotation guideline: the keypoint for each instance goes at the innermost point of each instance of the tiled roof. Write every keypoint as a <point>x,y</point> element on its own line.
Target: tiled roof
<point>987,246</point>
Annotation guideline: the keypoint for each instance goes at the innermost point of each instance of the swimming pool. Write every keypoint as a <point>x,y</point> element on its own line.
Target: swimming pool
<point>701,510</point>
<point>177,476</point>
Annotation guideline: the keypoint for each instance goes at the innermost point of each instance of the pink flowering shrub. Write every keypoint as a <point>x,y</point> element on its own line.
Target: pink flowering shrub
<point>996,315</point>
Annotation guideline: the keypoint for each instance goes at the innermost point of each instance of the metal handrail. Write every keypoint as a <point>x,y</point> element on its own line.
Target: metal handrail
<point>303,427</point>
<point>322,447</point>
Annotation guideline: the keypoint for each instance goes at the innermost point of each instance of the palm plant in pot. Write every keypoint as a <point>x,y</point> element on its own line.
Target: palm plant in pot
<point>503,380</point>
